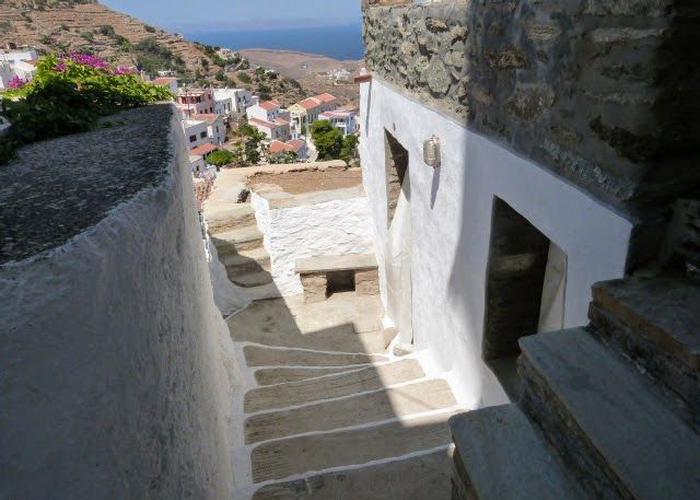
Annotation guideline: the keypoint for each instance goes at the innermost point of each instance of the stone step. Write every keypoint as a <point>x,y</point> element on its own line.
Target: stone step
<point>499,454</point>
<point>345,384</point>
<point>237,240</point>
<point>264,292</point>
<point>376,406</point>
<point>286,457</point>
<point>266,356</point>
<point>425,477</point>
<point>656,323</point>
<point>270,376</point>
<point>247,261</point>
<point>251,279</point>
<point>229,218</point>
<point>608,422</point>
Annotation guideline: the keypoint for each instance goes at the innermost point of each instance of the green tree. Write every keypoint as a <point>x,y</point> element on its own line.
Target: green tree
<point>348,151</point>
<point>221,158</point>
<point>286,157</point>
<point>244,78</point>
<point>327,138</point>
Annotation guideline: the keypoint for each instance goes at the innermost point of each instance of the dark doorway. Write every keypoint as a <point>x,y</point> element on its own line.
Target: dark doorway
<point>517,266</point>
<point>340,281</point>
<point>396,168</point>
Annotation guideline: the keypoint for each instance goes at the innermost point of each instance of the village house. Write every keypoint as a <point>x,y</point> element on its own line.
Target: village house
<point>277,129</point>
<point>241,99</point>
<point>223,106</point>
<point>195,101</point>
<point>167,81</point>
<point>19,55</point>
<point>344,119</point>
<point>266,110</point>
<point>296,146</point>
<point>196,132</point>
<point>307,111</point>
<point>216,127</point>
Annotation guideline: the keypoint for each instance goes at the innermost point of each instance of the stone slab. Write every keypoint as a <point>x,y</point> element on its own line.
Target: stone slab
<point>344,322</point>
<point>315,287</point>
<point>346,384</point>
<point>229,217</point>
<point>283,458</point>
<point>244,238</point>
<point>367,282</point>
<point>250,279</point>
<point>362,409</point>
<point>631,434</point>
<point>271,376</point>
<point>504,457</point>
<point>263,356</point>
<point>424,477</point>
<point>326,263</point>
<point>256,259</point>
<point>665,310</point>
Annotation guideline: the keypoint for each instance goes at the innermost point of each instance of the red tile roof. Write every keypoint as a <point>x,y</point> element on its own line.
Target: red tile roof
<point>279,122</point>
<point>270,105</point>
<point>310,103</point>
<point>164,80</point>
<point>204,149</point>
<point>326,97</point>
<point>206,117</point>
<point>282,147</point>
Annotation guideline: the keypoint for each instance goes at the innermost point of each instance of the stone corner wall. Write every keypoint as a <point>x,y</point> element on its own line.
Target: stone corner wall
<point>602,92</point>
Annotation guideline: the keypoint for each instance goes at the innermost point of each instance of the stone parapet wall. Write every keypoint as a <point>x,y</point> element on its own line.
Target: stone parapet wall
<point>602,92</point>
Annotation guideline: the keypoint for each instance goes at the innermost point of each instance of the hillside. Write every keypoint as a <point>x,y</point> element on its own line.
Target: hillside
<point>85,25</point>
<point>312,70</point>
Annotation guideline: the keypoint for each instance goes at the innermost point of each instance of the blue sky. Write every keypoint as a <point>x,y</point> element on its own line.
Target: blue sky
<point>188,15</point>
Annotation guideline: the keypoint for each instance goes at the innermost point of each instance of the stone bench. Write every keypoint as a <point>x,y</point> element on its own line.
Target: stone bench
<point>322,276</point>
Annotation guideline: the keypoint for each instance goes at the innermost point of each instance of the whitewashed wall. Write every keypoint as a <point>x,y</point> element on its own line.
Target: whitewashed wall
<point>334,227</point>
<point>117,367</point>
<point>451,224</point>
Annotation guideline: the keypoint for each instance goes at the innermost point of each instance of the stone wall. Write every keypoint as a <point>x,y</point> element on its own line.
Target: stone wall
<point>114,355</point>
<point>602,92</point>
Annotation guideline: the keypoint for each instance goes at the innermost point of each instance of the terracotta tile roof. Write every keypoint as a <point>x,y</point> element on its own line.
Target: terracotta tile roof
<point>270,105</point>
<point>164,80</point>
<point>310,103</point>
<point>204,149</point>
<point>206,117</point>
<point>326,97</point>
<point>282,147</point>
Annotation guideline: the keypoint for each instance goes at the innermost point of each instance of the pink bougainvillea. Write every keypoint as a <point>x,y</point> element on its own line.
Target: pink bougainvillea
<point>124,70</point>
<point>89,60</point>
<point>17,83</point>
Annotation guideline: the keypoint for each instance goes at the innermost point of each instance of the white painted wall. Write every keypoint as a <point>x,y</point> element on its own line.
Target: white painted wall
<point>451,223</point>
<point>117,367</point>
<point>335,227</point>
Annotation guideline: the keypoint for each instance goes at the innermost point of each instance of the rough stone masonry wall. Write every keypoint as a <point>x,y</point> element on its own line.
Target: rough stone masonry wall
<point>602,92</point>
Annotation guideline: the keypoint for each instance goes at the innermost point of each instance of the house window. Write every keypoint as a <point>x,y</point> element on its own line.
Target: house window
<point>193,138</point>
<point>202,135</point>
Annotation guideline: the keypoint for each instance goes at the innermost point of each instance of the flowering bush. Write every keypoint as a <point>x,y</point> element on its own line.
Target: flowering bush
<point>69,95</point>
<point>17,83</point>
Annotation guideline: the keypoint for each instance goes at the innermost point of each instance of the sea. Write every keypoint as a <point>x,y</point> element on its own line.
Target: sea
<point>337,42</point>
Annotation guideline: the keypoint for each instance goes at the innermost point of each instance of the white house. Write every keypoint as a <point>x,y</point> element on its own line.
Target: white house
<point>276,129</point>
<point>305,112</point>
<point>196,132</point>
<point>6,74</point>
<point>223,106</point>
<point>167,81</point>
<point>344,119</point>
<point>241,99</point>
<point>266,111</point>
<point>16,56</point>
<point>216,127</point>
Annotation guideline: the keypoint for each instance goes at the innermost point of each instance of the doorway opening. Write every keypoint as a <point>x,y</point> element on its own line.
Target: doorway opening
<point>396,169</point>
<point>525,291</point>
<point>340,281</point>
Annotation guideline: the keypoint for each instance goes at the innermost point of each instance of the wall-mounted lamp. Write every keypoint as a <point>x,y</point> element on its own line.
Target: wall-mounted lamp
<point>431,152</point>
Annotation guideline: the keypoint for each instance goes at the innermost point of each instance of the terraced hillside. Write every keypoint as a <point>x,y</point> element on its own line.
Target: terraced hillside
<point>86,25</point>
